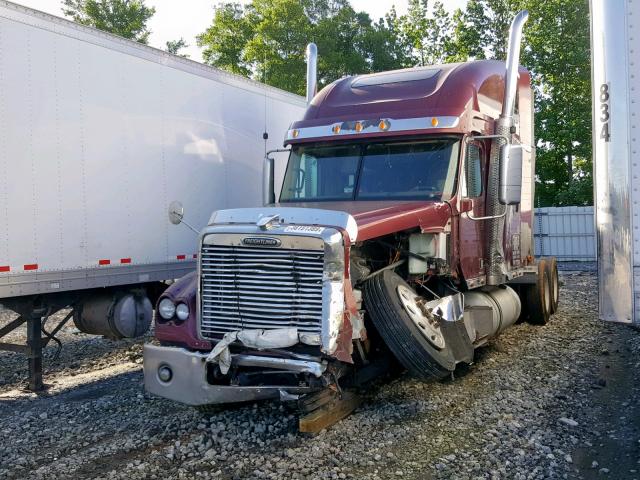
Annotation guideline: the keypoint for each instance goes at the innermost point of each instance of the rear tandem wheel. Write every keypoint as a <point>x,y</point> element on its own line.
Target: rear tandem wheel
<point>538,296</point>
<point>554,284</point>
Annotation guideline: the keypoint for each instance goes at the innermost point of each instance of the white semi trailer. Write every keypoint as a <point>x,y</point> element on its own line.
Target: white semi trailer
<point>615,50</point>
<point>98,135</point>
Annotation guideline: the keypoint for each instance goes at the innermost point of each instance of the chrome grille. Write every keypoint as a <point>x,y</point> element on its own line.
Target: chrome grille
<point>252,287</point>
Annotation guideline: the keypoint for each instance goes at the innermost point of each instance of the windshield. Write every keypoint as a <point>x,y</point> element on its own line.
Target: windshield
<point>423,170</point>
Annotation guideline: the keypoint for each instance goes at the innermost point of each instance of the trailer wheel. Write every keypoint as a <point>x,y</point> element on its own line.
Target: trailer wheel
<point>554,287</point>
<point>539,296</point>
<point>418,345</point>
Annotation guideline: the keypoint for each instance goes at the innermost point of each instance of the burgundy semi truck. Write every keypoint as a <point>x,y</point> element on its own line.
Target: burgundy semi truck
<point>402,237</point>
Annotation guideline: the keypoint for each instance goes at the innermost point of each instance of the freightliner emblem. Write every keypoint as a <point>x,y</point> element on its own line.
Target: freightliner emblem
<point>261,241</point>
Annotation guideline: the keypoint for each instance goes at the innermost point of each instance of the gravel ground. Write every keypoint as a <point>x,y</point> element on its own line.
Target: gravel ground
<point>560,401</point>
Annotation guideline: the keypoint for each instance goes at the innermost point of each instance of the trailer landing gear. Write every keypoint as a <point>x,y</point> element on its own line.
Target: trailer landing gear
<point>35,320</point>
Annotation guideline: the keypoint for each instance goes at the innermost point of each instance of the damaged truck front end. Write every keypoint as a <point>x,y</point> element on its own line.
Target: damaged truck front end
<point>274,312</point>
<point>401,240</point>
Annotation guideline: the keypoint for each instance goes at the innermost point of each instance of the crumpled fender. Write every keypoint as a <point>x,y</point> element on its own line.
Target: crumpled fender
<point>344,349</point>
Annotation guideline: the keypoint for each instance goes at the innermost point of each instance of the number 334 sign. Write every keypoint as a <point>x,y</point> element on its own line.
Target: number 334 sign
<point>604,112</point>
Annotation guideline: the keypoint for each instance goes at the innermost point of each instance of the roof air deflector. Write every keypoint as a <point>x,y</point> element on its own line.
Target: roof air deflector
<point>396,76</point>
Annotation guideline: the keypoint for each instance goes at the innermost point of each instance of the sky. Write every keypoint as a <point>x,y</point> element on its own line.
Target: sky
<point>188,18</point>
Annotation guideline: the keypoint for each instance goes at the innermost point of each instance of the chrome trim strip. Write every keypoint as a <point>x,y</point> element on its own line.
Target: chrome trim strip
<point>371,127</point>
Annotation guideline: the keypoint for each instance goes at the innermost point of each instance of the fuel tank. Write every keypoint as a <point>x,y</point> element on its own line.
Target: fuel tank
<point>490,310</point>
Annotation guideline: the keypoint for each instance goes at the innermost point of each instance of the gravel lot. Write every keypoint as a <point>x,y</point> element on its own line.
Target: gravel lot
<point>560,401</point>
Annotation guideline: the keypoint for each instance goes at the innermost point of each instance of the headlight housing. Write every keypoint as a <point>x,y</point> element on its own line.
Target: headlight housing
<point>182,311</point>
<point>166,309</point>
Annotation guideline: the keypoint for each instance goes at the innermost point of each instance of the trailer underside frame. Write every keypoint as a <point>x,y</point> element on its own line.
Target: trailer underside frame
<point>36,321</point>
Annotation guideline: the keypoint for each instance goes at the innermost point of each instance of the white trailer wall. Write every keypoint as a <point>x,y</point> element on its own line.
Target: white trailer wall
<point>98,135</point>
<point>616,152</point>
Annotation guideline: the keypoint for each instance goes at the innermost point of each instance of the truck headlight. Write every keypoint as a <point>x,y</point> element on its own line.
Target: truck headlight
<point>182,311</point>
<point>166,309</point>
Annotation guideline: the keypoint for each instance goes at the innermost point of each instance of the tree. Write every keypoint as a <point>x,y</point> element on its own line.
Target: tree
<point>225,40</point>
<point>266,40</point>
<point>485,27</point>
<point>127,18</point>
<point>556,51</point>
<point>466,42</point>
<point>276,50</point>
<point>385,46</point>
<point>424,33</point>
<point>174,47</point>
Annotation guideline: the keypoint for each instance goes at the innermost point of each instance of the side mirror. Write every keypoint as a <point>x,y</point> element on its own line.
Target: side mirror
<point>176,212</point>
<point>176,215</point>
<point>268,188</point>
<point>510,188</point>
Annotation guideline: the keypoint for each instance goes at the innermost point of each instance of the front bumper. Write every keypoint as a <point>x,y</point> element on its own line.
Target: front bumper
<point>188,383</point>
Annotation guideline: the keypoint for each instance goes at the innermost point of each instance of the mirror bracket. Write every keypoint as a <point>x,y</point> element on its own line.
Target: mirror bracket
<point>490,217</point>
<point>268,176</point>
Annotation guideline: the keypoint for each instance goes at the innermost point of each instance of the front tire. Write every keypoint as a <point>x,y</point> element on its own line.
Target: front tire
<point>419,347</point>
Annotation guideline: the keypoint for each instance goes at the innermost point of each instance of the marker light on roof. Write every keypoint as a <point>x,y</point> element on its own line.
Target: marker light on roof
<point>434,122</point>
<point>295,132</point>
<point>383,125</point>
<point>336,128</point>
<point>358,127</point>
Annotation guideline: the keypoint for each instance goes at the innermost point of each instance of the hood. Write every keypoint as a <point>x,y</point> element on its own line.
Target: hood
<point>378,218</point>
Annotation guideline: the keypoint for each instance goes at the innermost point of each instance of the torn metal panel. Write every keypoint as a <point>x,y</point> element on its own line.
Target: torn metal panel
<point>449,314</point>
<point>258,339</point>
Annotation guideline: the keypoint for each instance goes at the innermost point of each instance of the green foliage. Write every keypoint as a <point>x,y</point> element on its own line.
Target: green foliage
<point>556,51</point>
<point>424,36</point>
<point>266,40</point>
<point>127,18</point>
<point>174,46</point>
<point>558,54</point>
<point>485,27</point>
<point>225,40</point>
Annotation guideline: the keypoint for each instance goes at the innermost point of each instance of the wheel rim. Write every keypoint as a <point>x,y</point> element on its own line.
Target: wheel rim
<point>426,326</point>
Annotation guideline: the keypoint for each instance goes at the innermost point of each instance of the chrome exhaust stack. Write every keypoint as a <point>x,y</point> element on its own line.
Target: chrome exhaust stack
<point>496,269</point>
<point>513,60</point>
<point>312,71</point>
